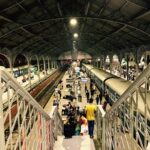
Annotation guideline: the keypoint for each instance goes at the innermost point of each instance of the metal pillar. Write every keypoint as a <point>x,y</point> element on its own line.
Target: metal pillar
<point>97,63</point>
<point>110,65</point>
<point>2,137</point>
<point>10,65</point>
<point>38,68</point>
<point>103,133</point>
<point>48,66</point>
<point>51,64</point>
<point>29,71</point>
<point>44,63</point>
<point>127,71</point>
<point>54,64</point>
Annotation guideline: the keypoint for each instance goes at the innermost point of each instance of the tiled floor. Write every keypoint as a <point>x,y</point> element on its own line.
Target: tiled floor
<point>74,143</point>
<point>65,91</point>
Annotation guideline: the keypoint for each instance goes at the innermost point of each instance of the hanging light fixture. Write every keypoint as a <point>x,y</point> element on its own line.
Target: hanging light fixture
<point>75,35</point>
<point>73,22</point>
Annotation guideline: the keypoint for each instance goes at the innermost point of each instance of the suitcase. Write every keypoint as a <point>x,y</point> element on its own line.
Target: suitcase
<point>68,130</point>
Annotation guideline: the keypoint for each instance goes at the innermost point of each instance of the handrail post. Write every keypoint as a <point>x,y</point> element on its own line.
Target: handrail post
<point>103,133</point>
<point>2,137</point>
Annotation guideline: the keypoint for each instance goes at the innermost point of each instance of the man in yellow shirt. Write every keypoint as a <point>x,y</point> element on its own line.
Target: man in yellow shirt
<point>90,111</point>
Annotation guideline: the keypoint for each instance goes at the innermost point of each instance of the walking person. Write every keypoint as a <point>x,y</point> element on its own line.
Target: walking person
<point>92,93</point>
<point>59,92</point>
<point>87,95</point>
<point>97,99</point>
<point>105,105</point>
<point>100,96</point>
<point>90,111</point>
<point>85,88</point>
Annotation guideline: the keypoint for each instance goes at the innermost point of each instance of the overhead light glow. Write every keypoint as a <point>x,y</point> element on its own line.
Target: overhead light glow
<point>75,35</point>
<point>73,22</point>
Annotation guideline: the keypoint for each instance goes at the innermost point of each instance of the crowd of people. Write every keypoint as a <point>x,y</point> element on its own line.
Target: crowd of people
<point>80,121</point>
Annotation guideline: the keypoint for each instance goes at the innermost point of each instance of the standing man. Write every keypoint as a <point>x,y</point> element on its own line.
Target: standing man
<point>101,95</point>
<point>87,95</point>
<point>97,99</point>
<point>90,111</point>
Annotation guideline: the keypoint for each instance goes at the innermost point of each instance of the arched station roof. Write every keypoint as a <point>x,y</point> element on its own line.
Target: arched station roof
<point>42,26</point>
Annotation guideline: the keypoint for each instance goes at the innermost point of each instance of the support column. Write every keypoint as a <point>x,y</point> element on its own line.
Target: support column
<point>56,64</point>
<point>137,62</point>
<point>111,60</point>
<point>120,57</point>
<point>127,71</point>
<point>94,62</point>
<point>104,62</point>
<point>38,69</point>
<point>10,65</point>
<point>97,63</point>
<point>103,133</point>
<point>29,71</point>
<point>52,64</point>
<point>2,135</point>
<point>48,65</point>
<point>101,62</point>
<point>44,63</point>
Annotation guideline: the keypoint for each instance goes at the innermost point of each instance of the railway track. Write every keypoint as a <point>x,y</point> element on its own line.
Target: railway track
<point>42,92</point>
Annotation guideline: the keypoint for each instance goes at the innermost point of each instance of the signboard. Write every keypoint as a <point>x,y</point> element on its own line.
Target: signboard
<point>85,80</point>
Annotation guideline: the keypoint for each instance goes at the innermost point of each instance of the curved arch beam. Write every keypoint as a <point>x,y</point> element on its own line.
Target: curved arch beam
<point>87,18</point>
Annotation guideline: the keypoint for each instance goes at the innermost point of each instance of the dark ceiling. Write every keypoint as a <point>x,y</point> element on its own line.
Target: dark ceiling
<point>42,26</point>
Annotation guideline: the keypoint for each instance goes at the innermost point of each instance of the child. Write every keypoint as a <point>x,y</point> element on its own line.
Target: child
<point>84,125</point>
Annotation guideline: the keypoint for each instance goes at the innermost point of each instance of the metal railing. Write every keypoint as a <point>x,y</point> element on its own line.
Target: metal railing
<point>28,87</point>
<point>126,126</point>
<point>23,123</point>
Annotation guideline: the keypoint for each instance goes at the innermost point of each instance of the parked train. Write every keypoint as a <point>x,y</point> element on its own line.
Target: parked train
<point>22,70</point>
<point>115,87</point>
<point>107,82</point>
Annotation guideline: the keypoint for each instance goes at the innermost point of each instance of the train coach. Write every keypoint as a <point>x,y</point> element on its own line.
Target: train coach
<point>106,82</point>
<point>22,70</point>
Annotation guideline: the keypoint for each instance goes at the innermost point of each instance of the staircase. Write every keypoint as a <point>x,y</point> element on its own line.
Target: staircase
<point>24,125</point>
<point>75,143</point>
<point>126,126</point>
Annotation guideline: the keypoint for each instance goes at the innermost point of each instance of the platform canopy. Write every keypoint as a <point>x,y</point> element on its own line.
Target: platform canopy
<point>103,26</point>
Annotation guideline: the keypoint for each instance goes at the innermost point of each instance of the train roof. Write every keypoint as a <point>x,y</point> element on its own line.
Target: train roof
<point>89,67</point>
<point>101,74</point>
<point>118,85</point>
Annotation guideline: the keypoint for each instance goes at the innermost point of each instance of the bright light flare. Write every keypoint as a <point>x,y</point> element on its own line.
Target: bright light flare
<point>75,35</point>
<point>73,22</point>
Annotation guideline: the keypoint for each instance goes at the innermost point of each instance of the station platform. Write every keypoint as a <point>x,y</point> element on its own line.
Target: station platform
<point>76,142</point>
<point>35,80</point>
<point>26,85</point>
<point>65,91</point>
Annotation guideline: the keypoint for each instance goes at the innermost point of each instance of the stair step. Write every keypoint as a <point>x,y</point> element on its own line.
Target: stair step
<point>74,143</point>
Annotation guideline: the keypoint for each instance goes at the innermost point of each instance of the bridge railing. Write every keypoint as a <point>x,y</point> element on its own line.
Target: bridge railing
<point>23,123</point>
<point>126,126</point>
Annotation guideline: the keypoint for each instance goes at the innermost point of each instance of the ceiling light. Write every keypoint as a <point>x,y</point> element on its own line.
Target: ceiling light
<point>75,35</point>
<point>73,22</point>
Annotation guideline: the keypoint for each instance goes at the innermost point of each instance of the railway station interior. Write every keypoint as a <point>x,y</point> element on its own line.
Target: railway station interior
<point>74,75</point>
